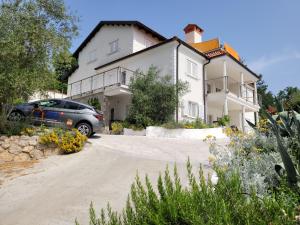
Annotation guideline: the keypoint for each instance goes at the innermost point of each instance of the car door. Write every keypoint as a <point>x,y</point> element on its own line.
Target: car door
<point>52,110</point>
<point>72,112</point>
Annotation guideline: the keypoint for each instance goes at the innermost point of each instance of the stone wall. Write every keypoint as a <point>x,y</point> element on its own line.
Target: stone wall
<point>24,148</point>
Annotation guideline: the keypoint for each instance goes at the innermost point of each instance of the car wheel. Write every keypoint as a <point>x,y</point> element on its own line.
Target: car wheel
<point>85,129</point>
<point>15,116</point>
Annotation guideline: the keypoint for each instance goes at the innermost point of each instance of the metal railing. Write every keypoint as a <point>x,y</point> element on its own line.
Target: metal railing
<point>116,76</point>
<point>228,84</point>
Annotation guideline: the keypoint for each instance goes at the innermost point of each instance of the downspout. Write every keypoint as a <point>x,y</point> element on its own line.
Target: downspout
<point>177,78</point>
<point>204,89</point>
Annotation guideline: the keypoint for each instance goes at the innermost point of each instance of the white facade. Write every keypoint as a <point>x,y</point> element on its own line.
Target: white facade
<point>119,51</point>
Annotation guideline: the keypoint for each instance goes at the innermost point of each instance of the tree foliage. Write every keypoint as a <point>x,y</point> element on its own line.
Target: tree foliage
<point>267,98</point>
<point>33,35</point>
<point>290,97</point>
<point>154,98</point>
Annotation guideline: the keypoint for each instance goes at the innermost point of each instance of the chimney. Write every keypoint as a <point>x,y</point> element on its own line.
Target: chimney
<point>193,33</point>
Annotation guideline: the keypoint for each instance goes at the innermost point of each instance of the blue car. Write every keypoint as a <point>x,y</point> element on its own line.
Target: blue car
<point>60,113</point>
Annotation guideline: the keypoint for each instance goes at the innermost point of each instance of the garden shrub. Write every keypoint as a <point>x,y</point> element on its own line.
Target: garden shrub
<point>10,128</point>
<point>154,98</point>
<point>196,124</point>
<point>254,163</point>
<point>69,141</point>
<point>200,202</point>
<point>224,121</point>
<point>127,124</point>
<point>95,103</point>
<point>117,128</point>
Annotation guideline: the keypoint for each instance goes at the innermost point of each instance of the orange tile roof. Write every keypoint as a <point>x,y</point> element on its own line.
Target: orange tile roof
<point>213,48</point>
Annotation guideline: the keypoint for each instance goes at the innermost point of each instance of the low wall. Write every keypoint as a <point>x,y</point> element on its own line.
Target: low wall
<point>23,148</point>
<point>131,132</point>
<point>184,133</point>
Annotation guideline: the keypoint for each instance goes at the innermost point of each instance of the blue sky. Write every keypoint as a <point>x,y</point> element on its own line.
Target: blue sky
<point>266,33</point>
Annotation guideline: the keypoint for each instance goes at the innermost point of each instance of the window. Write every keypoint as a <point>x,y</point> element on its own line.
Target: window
<point>92,57</point>
<point>193,109</point>
<point>71,105</point>
<point>114,46</point>
<point>192,69</point>
<point>50,103</point>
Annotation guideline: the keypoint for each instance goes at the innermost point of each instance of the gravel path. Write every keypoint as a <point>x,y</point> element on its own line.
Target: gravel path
<point>60,188</point>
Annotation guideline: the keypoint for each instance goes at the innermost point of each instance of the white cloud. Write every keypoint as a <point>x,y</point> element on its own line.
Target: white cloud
<point>266,61</point>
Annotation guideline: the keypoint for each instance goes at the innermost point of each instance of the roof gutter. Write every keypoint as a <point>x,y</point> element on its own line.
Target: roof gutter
<point>204,90</point>
<point>177,79</point>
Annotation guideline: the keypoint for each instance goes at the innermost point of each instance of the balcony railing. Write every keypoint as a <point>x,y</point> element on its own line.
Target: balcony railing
<point>114,77</point>
<point>228,84</point>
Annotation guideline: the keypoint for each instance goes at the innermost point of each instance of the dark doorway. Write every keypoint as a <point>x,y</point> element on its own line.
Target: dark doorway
<point>112,117</point>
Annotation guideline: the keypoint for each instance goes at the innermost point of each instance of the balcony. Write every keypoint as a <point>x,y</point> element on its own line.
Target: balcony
<point>235,91</point>
<point>112,82</point>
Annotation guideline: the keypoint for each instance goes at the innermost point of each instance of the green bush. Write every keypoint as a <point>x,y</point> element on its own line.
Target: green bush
<point>69,141</point>
<point>224,121</point>
<point>154,98</point>
<point>95,103</point>
<point>197,124</point>
<point>10,128</point>
<point>199,203</point>
<point>116,128</point>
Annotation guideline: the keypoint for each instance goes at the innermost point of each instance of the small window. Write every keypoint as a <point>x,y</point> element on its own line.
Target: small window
<point>192,69</point>
<point>114,46</point>
<point>193,109</point>
<point>92,57</point>
<point>71,105</point>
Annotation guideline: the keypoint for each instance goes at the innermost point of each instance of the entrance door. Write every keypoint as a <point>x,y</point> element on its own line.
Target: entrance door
<point>112,117</point>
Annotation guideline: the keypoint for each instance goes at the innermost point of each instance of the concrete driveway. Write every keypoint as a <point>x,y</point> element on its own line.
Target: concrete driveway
<point>60,188</point>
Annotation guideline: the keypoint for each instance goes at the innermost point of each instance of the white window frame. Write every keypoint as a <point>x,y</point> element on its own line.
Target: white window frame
<point>192,68</point>
<point>193,109</point>
<point>114,46</point>
<point>92,56</point>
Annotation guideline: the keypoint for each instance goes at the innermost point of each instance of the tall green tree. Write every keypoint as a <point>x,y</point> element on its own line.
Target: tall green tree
<point>290,97</point>
<point>154,98</point>
<point>267,98</point>
<point>33,34</point>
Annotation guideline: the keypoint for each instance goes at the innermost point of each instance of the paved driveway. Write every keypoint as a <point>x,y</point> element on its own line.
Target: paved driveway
<point>60,188</point>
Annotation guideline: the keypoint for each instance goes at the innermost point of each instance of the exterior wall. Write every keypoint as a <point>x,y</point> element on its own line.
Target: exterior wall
<point>236,118</point>
<point>195,93</point>
<point>161,57</point>
<point>164,58</point>
<point>142,40</point>
<point>100,44</point>
<point>185,133</point>
<point>214,112</point>
<point>120,104</point>
<point>130,39</point>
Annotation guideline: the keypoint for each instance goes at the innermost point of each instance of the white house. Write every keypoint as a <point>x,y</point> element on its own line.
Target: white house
<point>220,84</point>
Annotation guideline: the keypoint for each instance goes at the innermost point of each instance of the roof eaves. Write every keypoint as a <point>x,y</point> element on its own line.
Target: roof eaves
<point>128,22</point>
<point>240,63</point>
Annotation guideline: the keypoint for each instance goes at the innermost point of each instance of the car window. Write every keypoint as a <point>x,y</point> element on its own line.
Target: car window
<point>71,105</point>
<point>50,103</point>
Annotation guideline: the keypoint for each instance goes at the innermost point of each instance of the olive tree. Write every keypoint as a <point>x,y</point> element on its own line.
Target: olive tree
<point>33,34</point>
<point>154,97</point>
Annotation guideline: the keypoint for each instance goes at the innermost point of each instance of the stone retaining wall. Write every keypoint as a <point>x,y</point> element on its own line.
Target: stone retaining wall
<point>23,148</point>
